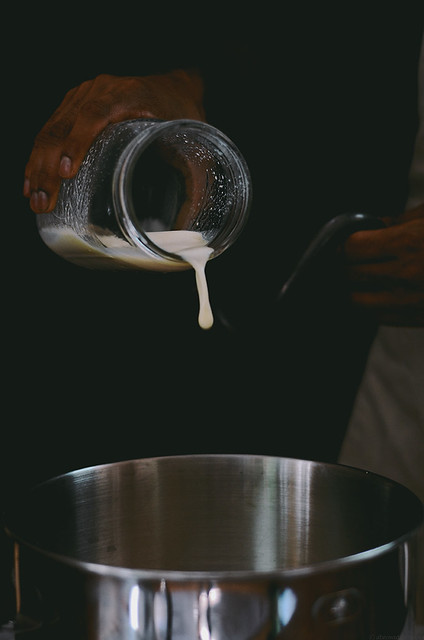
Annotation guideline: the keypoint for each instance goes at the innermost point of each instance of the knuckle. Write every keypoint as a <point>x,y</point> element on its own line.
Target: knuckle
<point>103,78</point>
<point>95,109</point>
<point>53,134</point>
<point>45,179</point>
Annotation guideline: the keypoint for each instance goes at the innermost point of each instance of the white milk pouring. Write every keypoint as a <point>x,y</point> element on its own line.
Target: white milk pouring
<point>191,247</point>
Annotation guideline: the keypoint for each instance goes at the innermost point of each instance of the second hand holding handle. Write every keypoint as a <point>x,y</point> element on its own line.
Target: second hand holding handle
<point>331,235</point>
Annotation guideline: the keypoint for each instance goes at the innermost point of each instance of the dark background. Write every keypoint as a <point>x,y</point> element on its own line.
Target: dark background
<point>100,366</point>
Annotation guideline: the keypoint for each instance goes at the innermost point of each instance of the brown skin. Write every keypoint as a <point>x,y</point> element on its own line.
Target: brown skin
<point>86,110</point>
<point>385,266</point>
<point>386,270</point>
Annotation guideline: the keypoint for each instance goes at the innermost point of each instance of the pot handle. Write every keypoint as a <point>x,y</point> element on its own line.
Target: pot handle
<point>332,234</point>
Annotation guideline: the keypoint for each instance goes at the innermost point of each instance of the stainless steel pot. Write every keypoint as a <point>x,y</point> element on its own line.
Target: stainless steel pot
<point>217,547</point>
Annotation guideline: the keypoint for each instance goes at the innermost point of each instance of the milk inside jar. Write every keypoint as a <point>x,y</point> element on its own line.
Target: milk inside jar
<point>152,195</point>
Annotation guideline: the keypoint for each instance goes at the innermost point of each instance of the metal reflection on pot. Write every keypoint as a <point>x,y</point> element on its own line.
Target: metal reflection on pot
<point>217,547</point>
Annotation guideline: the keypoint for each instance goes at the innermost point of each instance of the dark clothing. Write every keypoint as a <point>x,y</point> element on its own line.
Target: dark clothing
<point>104,366</point>
<point>325,115</point>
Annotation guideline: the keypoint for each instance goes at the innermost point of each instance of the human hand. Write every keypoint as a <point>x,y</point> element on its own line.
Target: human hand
<point>386,270</point>
<point>86,110</point>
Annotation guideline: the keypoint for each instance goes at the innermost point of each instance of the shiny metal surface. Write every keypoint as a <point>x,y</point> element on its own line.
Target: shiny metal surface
<point>218,547</point>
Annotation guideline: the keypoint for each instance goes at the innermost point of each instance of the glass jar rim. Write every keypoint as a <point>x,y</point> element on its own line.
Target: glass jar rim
<point>123,203</point>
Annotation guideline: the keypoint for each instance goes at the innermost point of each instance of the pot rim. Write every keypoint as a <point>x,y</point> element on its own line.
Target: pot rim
<point>171,575</point>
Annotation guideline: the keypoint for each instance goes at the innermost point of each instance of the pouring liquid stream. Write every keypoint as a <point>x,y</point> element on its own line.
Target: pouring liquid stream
<point>192,248</point>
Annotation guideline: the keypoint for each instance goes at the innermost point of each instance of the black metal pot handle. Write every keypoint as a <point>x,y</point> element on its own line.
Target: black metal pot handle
<point>331,235</point>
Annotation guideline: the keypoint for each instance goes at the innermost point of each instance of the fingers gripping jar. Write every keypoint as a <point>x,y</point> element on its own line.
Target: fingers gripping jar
<point>140,182</point>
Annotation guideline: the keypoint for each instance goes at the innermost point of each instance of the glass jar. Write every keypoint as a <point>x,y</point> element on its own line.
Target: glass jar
<point>142,178</point>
